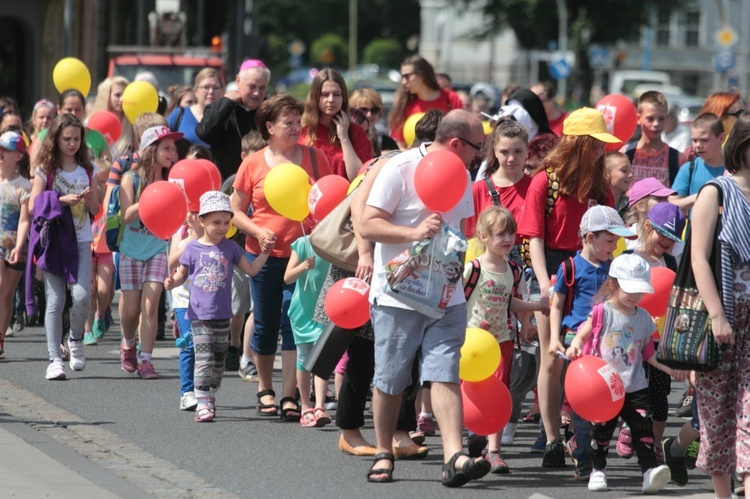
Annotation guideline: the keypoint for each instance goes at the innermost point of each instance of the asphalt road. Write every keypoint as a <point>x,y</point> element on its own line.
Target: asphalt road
<point>248,455</point>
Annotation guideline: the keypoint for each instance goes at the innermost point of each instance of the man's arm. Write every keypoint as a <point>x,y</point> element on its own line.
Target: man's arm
<point>376,226</point>
<point>211,127</point>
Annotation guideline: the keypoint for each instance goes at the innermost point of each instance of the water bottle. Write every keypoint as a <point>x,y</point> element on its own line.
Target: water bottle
<point>551,291</point>
<point>182,342</point>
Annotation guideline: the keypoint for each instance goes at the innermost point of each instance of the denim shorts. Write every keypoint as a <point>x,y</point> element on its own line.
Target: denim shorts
<point>402,334</point>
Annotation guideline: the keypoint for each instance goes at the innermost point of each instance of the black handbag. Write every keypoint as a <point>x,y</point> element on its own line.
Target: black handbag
<point>328,350</point>
<point>687,341</point>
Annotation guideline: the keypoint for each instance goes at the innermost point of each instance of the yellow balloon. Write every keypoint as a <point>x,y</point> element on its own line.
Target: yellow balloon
<point>355,183</point>
<point>474,250</point>
<point>231,232</point>
<point>487,126</point>
<point>139,97</point>
<point>480,355</point>
<point>71,73</point>
<point>621,246</point>
<point>286,188</point>
<point>410,128</point>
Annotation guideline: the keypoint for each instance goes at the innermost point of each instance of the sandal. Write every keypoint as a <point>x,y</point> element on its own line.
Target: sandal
<point>373,472</point>
<point>266,409</point>
<point>322,418</point>
<point>532,417</point>
<point>204,414</point>
<point>289,413</point>
<point>307,420</point>
<point>472,469</point>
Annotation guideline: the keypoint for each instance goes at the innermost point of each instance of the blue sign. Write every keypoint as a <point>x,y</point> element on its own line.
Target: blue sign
<point>559,69</point>
<point>724,59</point>
<point>599,57</point>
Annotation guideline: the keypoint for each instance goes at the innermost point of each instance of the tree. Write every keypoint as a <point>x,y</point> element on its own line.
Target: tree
<point>385,52</point>
<point>535,24</point>
<point>329,50</point>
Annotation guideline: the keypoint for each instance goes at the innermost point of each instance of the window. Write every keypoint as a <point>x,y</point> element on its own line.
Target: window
<point>662,28</point>
<point>692,28</point>
<point>690,82</point>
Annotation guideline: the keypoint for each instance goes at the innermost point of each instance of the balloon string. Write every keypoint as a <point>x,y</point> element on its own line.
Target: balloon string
<point>307,272</point>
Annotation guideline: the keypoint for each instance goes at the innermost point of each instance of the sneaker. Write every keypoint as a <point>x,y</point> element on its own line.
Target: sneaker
<point>232,362</point>
<point>2,349</point>
<point>128,359</point>
<point>98,328</point>
<point>9,333</point>
<point>20,322</point>
<point>683,410</point>
<point>659,453</point>
<point>77,359</point>
<point>598,481</point>
<point>540,444</point>
<point>692,454</point>
<point>107,319</point>
<point>330,403</point>
<point>655,479</point>
<point>64,353</point>
<point>249,373</point>
<point>509,434</point>
<point>89,339</point>
<point>554,455</point>
<point>426,424</point>
<point>583,472</point>
<point>625,443</point>
<point>476,444</point>
<point>497,465</point>
<point>146,370</point>
<point>55,370</point>
<point>188,402</point>
<point>676,464</point>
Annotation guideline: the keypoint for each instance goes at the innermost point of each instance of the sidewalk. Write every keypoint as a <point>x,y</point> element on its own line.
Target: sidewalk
<point>34,465</point>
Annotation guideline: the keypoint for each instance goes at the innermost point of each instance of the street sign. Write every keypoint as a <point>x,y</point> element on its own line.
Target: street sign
<point>599,57</point>
<point>559,69</point>
<point>724,60</point>
<point>725,36</point>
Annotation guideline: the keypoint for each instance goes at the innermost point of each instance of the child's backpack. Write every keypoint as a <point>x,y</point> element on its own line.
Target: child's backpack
<point>591,347</point>
<point>473,279</point>
<point>569,279</point>
<point>113,226</point>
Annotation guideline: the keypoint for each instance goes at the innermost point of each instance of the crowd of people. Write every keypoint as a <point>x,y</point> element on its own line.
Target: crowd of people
<point>546,274</point>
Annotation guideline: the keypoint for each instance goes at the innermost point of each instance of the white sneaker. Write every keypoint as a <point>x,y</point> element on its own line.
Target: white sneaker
<point>55,370</point>
<point>598,481</point>
<point>77,359</point>
<point>188,402</point>
<point>509,434</point>
<point>655,479</point>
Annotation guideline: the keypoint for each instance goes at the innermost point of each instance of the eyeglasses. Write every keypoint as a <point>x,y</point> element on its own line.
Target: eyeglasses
<point>208,88</point>
<point>369,110</point>
<point>736,114</point>
<point>477,148</point>
<point>406,76</point>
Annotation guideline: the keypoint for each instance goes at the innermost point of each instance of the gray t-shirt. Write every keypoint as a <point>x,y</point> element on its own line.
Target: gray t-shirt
<point>625,342</point>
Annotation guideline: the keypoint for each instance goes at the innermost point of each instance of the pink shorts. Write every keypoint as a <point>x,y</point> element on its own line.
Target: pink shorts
<point>102,259</point>
<point>133,273</point>
<point>341,366</point>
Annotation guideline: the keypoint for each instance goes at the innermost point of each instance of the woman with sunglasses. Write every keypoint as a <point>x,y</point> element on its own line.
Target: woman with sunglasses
<point>326,125</point>
<point>419,92</point>
<point>208,88</point>
<point>367,104</point>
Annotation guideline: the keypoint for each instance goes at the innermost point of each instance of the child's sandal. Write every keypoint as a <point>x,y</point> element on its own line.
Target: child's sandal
<point>204,414</point>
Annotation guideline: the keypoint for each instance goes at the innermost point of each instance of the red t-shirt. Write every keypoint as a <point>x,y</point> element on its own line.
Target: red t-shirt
<point>560,229</point>
<point>556,125</point>
<point>251,176</point>
<point>446,101</point>
<point>512,197</point>
<point>334,153</point>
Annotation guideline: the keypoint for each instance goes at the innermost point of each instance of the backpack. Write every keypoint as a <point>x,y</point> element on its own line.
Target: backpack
<point>476,270</point>
<point>553,188</point>
<point>114,227</point>
<point>597,319</point>
<point>569,279</point>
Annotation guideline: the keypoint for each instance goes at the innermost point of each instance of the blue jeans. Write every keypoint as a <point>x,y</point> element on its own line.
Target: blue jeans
<point>187,356</point>
<point>271,298</point>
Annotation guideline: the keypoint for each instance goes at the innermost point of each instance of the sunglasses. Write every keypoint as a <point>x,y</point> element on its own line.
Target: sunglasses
<point>736,114</point>
<point>369,110</point>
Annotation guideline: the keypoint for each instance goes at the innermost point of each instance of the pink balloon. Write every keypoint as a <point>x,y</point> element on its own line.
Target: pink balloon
<point>107,124</point>
<point>620,116</point>
<point>326,194</point>
<point>162,208</point>
<point>194,180</point>
<point>440,180</point>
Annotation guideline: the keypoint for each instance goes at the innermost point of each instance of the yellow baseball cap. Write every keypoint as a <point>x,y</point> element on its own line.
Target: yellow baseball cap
<point>588,121</point>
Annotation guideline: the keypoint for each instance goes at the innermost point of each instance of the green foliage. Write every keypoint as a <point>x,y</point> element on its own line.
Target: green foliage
<point>385,52</point>
<point>278,54</point>
<point>329,50</point>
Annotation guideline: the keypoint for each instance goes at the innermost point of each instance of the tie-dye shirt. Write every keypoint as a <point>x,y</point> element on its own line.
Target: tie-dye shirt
<point>12,196</point>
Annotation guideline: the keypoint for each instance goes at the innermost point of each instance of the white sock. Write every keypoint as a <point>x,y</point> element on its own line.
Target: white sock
<point>425,414</point>
<point>144,357</point>
<point>130,343</point>
<point>244,361</point>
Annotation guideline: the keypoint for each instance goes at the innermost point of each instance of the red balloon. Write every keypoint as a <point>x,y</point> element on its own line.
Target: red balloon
<point>487,405</point>
<point>440,180</point>
<point>194,180</point>
<point>162,208</point>
<point>594,389</point>
<point>213,170</point>
<point>656,303</point>
<point>347,303</point>
<point>107,124</point>
<point>326,194</point>
<point>619,116</point>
